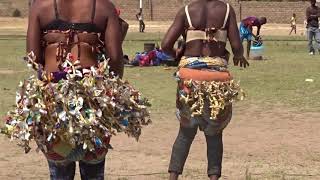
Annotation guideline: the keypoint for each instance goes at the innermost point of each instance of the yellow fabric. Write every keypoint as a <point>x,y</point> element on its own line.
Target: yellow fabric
<point>62,148</point>
<point>210,61</point>
<point>219,35</point>
<point>219,94</point>
<point>193,93</point>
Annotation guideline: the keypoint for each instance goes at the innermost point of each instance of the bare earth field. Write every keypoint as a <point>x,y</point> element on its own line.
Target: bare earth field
<point>266,140</point>
<point>270,144</point>
<point>20,24</point>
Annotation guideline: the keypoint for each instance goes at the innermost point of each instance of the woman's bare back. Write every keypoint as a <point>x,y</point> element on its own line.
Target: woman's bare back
<point>72,12</point>
<point>215,14</point>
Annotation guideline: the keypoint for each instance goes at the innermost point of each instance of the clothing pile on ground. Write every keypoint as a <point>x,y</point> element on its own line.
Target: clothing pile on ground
<point>80,107</point>
<point>153,58</point>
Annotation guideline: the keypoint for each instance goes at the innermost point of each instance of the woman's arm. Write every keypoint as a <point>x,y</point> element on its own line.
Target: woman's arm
<point>113,41</point>
<point>176,29</point>
<point>34,31</point>
<point>234,38</point>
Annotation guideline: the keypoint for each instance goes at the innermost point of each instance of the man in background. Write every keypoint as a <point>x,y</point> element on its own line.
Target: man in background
<point>313,31</point>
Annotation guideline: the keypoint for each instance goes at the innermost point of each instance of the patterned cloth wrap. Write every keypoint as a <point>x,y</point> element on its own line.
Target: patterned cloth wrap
<point>72,114</point>
<point>206,91</point>
<point>245,32</point>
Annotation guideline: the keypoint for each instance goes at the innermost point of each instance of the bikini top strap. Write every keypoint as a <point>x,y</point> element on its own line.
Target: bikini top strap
<point>56,9</point>
<point>188,16</point>
<point>226,16</point>
<point>93,11</point>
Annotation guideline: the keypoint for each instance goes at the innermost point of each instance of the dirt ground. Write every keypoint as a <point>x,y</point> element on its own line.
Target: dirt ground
<point>20,25</point>
<point>275,143</point>
<point>266,143</point>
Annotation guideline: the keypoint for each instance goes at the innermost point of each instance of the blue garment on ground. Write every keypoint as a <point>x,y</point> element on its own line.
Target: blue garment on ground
<point>156,60</point>
<point>137,58</point>
<point>163,56</point>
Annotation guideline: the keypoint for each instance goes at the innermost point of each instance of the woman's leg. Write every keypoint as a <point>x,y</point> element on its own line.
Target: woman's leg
<point>62,171</point>
<point>291,30</point>
<point>92,171</point>
<point>310,36</point>
<point>180,150</point>
<point>143,26</point>
<point>214,155</point>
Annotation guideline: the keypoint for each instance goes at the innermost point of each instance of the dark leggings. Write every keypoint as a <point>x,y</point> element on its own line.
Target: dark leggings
<point>142,26</point>
<point>182,146</point>
<point>67,171</point>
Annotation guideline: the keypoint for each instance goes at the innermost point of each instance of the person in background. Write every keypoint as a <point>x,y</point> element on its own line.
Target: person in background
<point>293,24</point>
<point>313,31</point>
<point>246,30</point>
<point>139,17</point>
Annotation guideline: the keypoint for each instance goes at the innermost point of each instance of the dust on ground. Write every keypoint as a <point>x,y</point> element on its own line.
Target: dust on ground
<point>275,143</point>
<point>9,71</point>
<point>20,25</point>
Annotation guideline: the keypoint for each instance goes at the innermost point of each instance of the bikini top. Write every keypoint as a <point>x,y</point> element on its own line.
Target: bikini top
<point>209,34</point>
<point>66,35</point>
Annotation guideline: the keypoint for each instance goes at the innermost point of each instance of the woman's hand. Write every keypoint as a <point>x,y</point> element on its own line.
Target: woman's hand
<point>241,60</point>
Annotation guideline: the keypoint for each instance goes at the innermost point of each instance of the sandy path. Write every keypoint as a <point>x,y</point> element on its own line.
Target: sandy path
<point>270,144</point>
<point>20,25</point>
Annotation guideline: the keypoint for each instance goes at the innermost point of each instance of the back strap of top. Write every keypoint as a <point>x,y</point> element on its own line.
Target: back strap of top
<point>56,9</point>
<point>65,41</point>
<point>188,16</point>
<point>93,14</point>
<point>225,17</point>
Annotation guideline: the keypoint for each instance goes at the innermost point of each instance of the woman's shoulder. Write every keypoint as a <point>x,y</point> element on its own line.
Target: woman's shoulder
<point>105,3</point>
<point>41,6</point>
<point>42,3</point>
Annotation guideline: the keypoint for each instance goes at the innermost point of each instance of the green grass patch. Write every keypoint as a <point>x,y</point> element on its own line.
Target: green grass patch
<point>279,80</point>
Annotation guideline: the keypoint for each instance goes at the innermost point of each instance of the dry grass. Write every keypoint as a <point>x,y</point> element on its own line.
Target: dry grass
<point>274,134</point>
<point>155,26</point>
